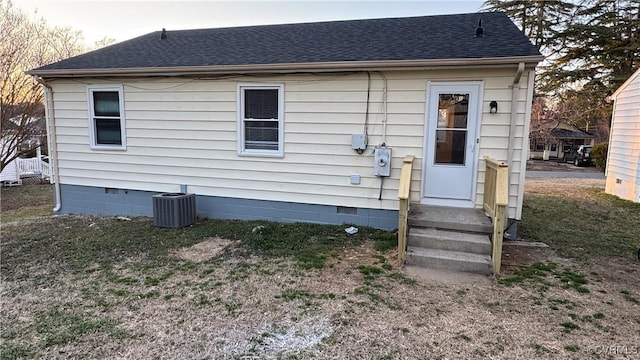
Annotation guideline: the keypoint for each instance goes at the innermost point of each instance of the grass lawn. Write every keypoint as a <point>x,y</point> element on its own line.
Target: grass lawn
<point>99,287</point>
<point>580,221</point>
<point>19,202</point>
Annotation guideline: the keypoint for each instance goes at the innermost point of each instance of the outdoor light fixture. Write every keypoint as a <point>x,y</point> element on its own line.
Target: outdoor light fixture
<point>493,107</point>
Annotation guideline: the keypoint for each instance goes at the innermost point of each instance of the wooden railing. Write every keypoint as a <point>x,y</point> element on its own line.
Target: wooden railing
<point>496,200</point>
<point>404,194</point>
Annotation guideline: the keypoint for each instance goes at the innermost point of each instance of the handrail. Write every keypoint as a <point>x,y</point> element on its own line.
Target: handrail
<point>496,200</point>
<point>33,166</point>
<point>404,194</point>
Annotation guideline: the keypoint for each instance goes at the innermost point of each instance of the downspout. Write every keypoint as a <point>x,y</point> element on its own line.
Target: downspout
<point>51,143</point>
<point>515,89</point>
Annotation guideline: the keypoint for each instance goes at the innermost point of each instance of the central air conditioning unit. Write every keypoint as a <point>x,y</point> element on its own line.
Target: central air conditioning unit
<point>174,210</point>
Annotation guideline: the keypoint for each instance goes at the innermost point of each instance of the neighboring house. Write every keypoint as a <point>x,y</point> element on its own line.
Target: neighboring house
<point>561,138</point>
<point>623,160</point>
<point>21,138</point>
<point>9,174</point>
<point>22,135</point>
<point>259,121</point>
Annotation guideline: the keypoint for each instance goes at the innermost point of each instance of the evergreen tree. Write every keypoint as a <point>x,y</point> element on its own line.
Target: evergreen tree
<point>540,20</point>
<point>592,47</point>
<point>601,48</point>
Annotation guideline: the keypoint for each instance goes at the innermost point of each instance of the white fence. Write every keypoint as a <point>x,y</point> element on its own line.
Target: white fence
<point>33,167</point>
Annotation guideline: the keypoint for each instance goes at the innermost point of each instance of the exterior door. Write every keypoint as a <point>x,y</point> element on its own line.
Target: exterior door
<point>450,143</point>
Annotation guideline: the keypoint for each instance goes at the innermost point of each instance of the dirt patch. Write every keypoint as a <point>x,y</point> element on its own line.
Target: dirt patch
<point>204,250</point>
<point>518,254</point>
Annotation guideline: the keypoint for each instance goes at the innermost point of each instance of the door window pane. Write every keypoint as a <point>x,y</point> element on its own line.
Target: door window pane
<point>453,110</point>
<point>450,147</point>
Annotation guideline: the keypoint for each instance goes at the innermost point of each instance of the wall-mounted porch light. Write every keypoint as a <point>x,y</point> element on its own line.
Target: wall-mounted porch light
<point>493,107</point>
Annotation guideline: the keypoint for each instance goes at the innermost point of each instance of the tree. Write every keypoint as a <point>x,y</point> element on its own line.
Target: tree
<point>602,47</point>
<point>601,50</point>
<point>26,43</point>
<point>592,46</point>
<point>540,20</point>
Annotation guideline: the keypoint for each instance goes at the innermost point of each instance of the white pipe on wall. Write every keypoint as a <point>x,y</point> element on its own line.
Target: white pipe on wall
<point>515,89</point>
<point>51,141</point>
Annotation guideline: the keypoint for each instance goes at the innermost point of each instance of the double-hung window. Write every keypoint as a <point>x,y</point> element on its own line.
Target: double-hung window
<point>106,117</point>
<point>260,120</point>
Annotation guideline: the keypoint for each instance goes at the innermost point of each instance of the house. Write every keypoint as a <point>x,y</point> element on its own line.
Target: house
<point>22,135</point>
<point>561,138</point>
<point>623,159</point>
<point>293,122</point>
<point>9,174</point>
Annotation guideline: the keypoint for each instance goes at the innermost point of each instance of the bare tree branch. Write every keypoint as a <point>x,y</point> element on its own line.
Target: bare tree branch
<point>27,43</point>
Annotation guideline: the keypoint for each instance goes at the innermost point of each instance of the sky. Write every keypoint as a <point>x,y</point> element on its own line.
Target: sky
<point>122,20</point>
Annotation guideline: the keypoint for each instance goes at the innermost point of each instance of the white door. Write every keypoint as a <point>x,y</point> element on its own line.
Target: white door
<point>450,143</point>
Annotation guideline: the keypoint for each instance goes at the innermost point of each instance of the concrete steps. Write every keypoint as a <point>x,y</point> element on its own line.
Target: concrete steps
<point>447,238</point>
<point>449,260</point>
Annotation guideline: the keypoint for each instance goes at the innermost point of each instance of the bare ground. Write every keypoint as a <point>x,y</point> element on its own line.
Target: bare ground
<point>219,303</point>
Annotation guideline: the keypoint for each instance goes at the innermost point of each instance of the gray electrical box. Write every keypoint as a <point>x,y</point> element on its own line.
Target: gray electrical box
<point>382,161</point>
<point>359,142</point>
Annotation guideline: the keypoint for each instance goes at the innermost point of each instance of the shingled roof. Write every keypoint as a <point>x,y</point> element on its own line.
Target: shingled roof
<point>571,134</point>
<point>390,40</point>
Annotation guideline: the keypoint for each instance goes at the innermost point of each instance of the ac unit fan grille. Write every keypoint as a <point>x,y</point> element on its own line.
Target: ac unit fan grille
<point>174,210</point>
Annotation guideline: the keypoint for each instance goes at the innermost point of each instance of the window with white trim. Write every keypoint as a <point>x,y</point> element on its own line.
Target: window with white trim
<point>260,119</point>
<point>106,117</point>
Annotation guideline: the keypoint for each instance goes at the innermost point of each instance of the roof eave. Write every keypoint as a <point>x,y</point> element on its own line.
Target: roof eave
<point>530,61</point>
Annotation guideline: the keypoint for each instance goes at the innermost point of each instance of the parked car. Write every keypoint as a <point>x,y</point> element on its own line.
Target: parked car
<point>580,156</point>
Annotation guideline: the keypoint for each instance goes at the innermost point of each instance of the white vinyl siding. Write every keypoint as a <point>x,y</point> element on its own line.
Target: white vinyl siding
<point>106,117</point>
<point>623,162</point>
<point>185,131</point>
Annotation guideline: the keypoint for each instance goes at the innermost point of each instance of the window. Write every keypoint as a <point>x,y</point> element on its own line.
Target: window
<point>106,117</point>
<point>260,120</point>
<point>539,147</point>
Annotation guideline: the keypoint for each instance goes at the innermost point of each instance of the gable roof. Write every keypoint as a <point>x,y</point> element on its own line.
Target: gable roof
<point>442,39</point>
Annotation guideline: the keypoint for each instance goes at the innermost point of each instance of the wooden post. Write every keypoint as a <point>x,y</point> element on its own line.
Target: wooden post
<point>498,233</point>
<point>404,195</point>
<point>402,231</point>
<point>502,201</point>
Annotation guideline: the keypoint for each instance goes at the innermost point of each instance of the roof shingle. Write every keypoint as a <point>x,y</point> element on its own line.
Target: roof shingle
<point>412,38</point>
